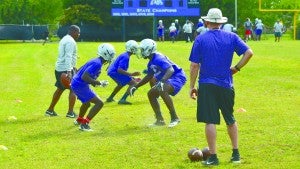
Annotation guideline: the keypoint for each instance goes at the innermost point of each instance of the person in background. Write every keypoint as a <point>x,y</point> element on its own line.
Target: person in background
<point>46,36</point>
<point>228,27</point>
<point>259,29</point>
<point>169,77</point>
<point>211,59</point>
<point>178,27</point>
<point>87,75</point>
<point>161,31</point>
<point>173,32</point>
<point>188,31</point>
<point>278,29</point>
<point>118,71</point>
<point>201,28</point>
<point>248,29</point>
<point>66,63</point>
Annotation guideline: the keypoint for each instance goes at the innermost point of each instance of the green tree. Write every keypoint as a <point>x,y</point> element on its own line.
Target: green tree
<point>30,11</point>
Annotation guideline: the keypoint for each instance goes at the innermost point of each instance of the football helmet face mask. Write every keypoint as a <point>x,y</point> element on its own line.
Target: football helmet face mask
<point>132,46</point>
<point>106,51</point>
<point>147,47</point>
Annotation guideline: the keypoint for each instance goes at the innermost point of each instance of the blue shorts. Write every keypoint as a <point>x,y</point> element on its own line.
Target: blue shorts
<point>120,79</point>
<point>83,93</point>
<point>258,31</point>
<point>177,81</point>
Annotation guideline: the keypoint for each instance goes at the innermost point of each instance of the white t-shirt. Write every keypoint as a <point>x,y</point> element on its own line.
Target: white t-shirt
<point>278,27</point>
<point>228,27</point>
<point>67,54</point>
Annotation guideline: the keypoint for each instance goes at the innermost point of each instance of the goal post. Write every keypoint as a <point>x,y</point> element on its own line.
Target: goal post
<point>296,11</point>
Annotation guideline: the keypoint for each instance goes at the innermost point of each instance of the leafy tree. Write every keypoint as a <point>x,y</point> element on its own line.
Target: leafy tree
<point>30,11</point>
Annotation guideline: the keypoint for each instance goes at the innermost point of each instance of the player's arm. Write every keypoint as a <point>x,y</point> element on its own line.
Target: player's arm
<point>168,74</point>
<point>124,72</point>
<point>194,70</point>
<point>88,79</point>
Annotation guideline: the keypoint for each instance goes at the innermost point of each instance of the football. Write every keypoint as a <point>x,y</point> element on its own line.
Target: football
<point>205,153</point>
<point>195,155</point>
<point>65,80</point>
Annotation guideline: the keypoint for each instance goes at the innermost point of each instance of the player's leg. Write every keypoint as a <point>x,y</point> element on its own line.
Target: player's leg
<point>55,98</point>
<point>72,100</point>
<point>115,91</point>
<point>165,95</point>
<point>153,94</point>
<point>123,100</point>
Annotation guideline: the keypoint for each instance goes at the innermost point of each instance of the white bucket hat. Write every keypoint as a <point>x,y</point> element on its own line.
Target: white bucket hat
<point>214,15</point>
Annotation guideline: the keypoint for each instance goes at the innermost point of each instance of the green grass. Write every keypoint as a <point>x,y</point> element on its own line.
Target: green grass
<point>268,88</point>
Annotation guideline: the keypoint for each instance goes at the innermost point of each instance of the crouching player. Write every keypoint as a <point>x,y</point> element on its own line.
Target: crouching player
<point>169,80</point>
<point>87,75</point>
<point>118,71</point>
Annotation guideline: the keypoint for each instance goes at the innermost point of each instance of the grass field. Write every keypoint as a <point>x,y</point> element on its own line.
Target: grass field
<point>268,88</point>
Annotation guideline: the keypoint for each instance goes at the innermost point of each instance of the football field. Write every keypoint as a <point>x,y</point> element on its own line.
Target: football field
<point>268,88</point>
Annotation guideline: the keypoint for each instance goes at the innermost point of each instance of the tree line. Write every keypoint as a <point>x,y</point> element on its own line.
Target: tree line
<point>98,12</point>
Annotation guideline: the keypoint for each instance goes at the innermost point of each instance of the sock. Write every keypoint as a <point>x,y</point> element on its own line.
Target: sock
<point>235,151</point>
<point>124,97</point>
<point>80,119</point>
<point>87,120</point>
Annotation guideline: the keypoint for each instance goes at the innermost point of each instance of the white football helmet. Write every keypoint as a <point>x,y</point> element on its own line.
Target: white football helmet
<point>106,51</point>
<point>132,46</point>
<point>147,47</point>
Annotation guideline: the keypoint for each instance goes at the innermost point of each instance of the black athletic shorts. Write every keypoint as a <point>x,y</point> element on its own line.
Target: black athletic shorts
<point>211,100</point>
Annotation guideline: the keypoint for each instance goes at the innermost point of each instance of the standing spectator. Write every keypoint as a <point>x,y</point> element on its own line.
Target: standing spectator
<point>87,75</point>
<point>188,30</point>
<point>161,31</point>
<point>118,71</point>
<point>169,80</point>
<point>211,58</point>
<point>248,29</point>
<point>278,29</point>
<point>66,63</point>
<point>201,28</point>
<point>178,27</point>
<point>259,29</point>
<point>228,27</point>
<point>173,32</point>
<point>200,23</point>
<point>46,36</point>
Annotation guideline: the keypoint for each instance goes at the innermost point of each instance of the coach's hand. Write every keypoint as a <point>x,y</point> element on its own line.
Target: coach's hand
<point>193,93</point>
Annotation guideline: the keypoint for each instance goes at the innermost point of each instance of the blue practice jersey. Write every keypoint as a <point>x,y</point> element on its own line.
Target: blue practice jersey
<point>159,64</point>
<point>93,67</point>
<point>121,62</point>
<point>214,52</point>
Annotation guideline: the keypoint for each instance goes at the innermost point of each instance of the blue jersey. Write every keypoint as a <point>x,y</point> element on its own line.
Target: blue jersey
<point>121,62</point>
<point>93,67</point>
<point>159,64</point>
<point>214,52</point>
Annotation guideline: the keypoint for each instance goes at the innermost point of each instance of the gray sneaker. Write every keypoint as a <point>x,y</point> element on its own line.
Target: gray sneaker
<point>235,159</point>
<point>50,113</point>
<point>211,161</point>
<point>71,115</point>
<point>85,127</point>
<point>157,123</point>
<point>174,123</point>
